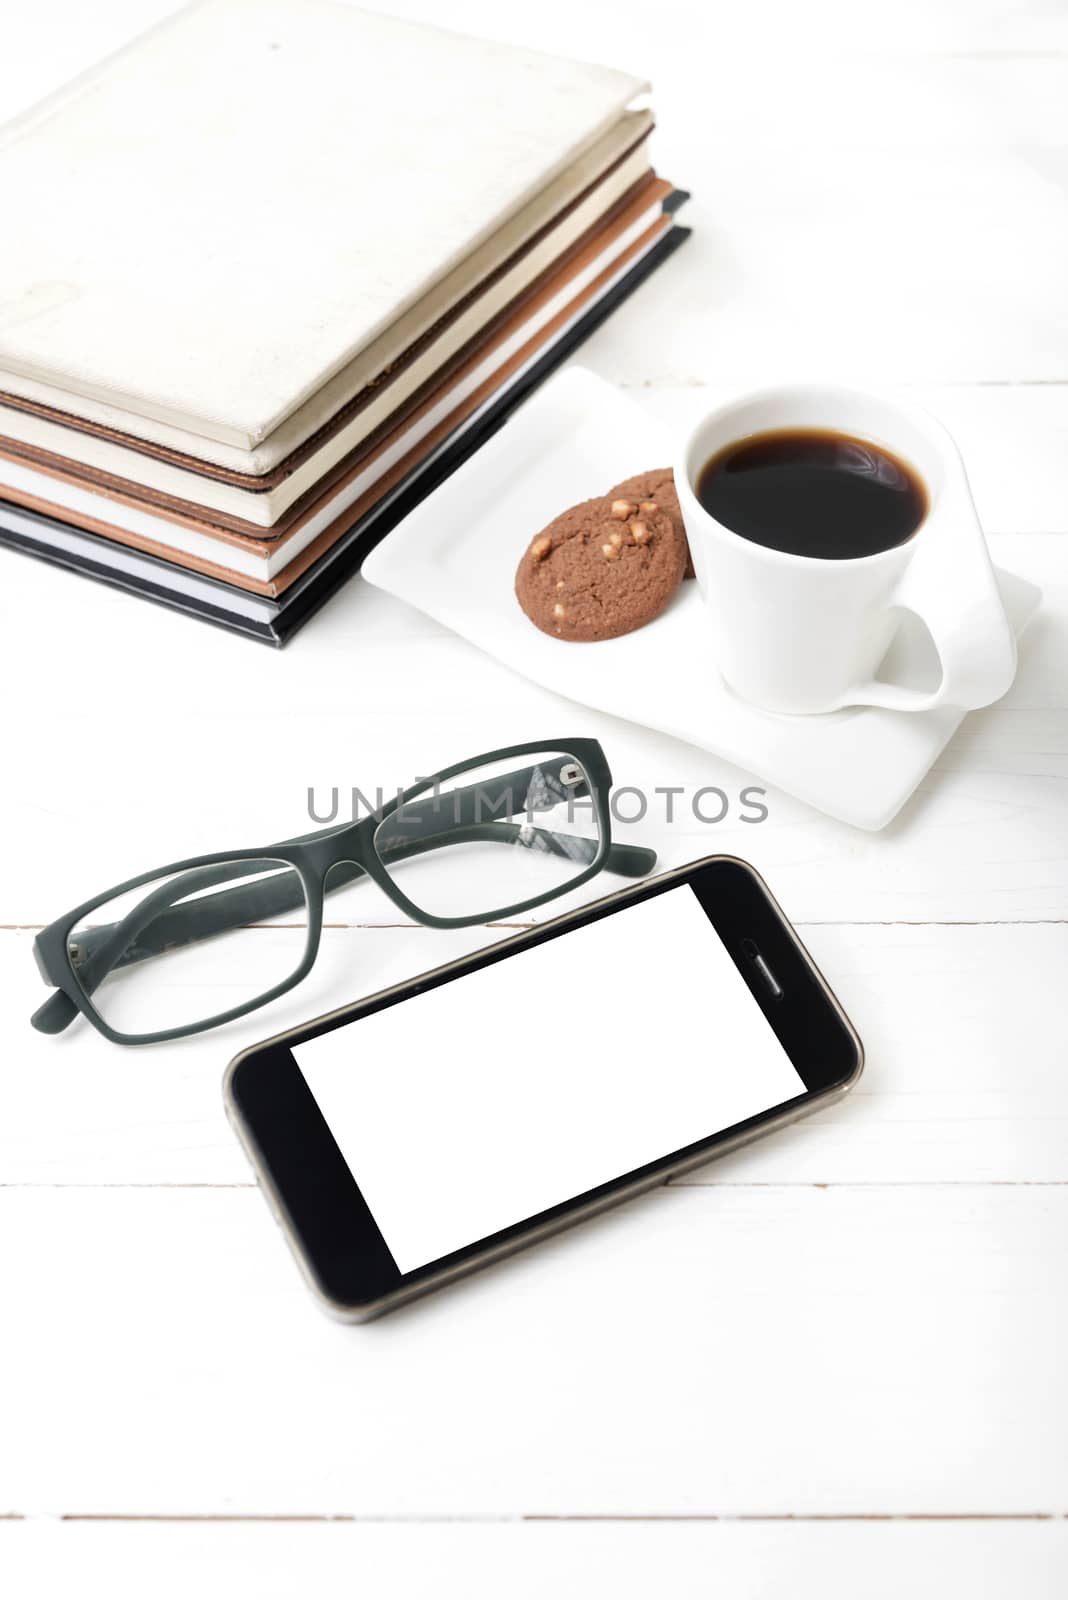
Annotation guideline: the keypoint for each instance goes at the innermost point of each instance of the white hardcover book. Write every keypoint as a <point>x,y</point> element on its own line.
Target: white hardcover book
<point>121,519</point>
<point>214,222</point>
<point>439,323</point>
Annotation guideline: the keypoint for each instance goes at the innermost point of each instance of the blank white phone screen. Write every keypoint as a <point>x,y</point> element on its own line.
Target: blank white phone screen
<point>509,1090</point>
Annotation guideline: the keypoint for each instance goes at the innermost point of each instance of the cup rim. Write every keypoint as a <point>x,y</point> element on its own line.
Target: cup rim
<point>941,440</point>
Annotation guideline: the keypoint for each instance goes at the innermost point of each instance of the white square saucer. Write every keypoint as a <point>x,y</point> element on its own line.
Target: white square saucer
<point>455,556</point>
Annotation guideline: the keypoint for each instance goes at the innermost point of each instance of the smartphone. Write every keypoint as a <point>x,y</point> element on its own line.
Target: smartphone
<point>461,1115</point>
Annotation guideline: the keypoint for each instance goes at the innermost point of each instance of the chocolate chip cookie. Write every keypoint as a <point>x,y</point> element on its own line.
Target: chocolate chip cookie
<point>658,485</point>
<point>601,569</point>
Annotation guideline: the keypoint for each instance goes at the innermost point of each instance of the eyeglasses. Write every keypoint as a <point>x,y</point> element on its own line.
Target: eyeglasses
<point>144,960</point>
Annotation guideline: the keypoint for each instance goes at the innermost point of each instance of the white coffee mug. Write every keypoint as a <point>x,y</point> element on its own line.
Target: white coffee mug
<point>796,633</point>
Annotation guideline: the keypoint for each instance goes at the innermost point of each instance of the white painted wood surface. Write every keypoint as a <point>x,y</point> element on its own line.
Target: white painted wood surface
<point>830,1364</point>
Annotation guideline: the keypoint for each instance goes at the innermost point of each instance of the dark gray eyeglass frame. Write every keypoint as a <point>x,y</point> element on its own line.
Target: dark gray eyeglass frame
<point>407,826</point>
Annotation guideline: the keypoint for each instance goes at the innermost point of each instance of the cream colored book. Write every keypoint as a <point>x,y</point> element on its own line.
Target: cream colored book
<point>215,222</point>
<point>414,345</point>
<point>263,553</point>
<point>116,463</point>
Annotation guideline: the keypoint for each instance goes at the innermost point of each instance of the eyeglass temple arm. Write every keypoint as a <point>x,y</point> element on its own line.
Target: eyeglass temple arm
<point>116,944</point>
<point>424,825</point>
<point>105,948</point>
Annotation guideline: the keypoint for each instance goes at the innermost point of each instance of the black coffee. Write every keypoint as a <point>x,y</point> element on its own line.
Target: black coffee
<point>812,492</point>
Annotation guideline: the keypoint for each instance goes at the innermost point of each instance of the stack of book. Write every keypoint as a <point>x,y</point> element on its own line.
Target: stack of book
<point>278,267</point>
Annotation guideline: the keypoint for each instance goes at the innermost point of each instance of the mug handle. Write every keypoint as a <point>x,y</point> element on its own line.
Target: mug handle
<point>951,586</point>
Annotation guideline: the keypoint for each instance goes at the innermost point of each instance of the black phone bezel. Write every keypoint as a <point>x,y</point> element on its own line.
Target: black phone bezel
<point>342,1248</point>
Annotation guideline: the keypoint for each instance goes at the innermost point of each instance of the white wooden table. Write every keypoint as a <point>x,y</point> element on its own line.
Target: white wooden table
<point>832,1364</point>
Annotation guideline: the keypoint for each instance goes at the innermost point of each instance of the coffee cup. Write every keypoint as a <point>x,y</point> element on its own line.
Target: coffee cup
<point>798,632</point>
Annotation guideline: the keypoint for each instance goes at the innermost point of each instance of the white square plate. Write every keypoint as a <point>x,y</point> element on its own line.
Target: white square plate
<point>455,557</point>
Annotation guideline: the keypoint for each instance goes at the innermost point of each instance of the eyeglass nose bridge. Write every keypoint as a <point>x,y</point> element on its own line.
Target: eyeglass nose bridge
<point>335,847</point>
<point>338,869</point>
